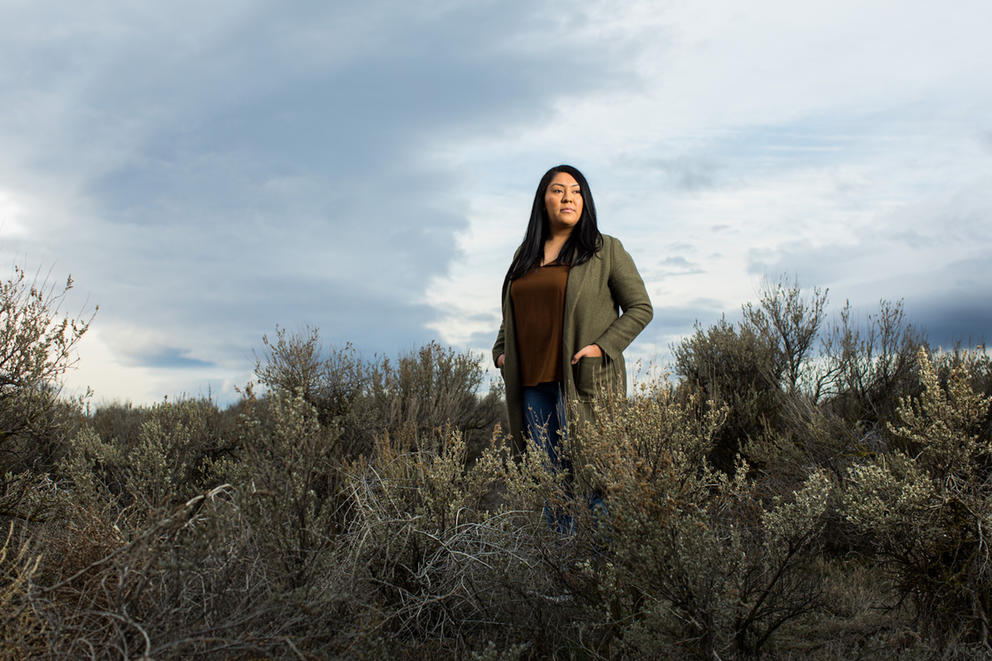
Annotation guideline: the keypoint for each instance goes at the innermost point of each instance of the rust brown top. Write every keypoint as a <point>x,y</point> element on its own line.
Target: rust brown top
<point>538,313</point>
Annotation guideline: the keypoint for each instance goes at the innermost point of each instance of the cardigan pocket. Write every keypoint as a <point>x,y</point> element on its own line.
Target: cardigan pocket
<point>591,375</point>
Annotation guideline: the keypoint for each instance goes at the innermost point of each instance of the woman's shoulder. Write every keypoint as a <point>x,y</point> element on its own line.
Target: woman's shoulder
<point>608,244</point>
<point>613,252</point>
<point>605,250</point>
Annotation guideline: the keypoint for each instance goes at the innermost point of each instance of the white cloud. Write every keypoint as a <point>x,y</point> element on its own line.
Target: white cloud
<point>829,125</point>
<point>468,296</point>
<point>11,215</point>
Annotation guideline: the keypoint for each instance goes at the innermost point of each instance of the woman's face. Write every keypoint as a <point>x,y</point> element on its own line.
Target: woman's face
<point>563,201</point>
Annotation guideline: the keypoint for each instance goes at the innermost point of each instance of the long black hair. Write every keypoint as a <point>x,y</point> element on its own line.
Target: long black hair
<point>583,243</point>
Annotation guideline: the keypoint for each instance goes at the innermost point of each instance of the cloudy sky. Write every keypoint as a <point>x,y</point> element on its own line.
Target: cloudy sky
<point>207,171</point>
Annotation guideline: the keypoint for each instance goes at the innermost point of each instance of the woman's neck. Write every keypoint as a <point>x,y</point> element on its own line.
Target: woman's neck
<point>554,243</point>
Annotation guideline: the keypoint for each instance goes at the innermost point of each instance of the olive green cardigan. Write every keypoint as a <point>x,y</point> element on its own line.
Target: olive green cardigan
<point>596,293</point>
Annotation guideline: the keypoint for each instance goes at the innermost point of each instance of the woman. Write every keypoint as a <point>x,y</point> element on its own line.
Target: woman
<point>562,335</point>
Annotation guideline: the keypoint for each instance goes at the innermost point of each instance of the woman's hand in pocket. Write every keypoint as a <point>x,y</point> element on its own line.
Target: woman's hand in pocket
<point>500,360</point>
<point>588,351</point>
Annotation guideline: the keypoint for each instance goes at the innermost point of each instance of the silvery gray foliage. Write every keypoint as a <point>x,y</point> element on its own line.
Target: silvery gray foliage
<point>37,346</point>
<point>928,509</point>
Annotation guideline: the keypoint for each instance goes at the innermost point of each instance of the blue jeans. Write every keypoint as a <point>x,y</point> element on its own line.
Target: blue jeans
<point>544,414</point>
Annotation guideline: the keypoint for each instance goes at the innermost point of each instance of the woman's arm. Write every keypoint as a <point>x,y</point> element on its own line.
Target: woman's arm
<point>629,292</point>
<point>499,346</point>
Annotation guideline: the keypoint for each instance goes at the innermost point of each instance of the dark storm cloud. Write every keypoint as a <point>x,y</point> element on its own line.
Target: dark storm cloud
<point>959,309</point>
<point>950,303</point>
<point>959,318</point>
<point>276,164</point>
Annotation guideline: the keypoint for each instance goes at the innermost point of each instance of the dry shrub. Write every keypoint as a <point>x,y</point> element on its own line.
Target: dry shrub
<point>407,398</point>
<point>189,584</point>
<point>335,382</point>
<point>433,387</point>
<point>685,560</point>
<point>676,559</point>
<point>166,462</point>
<point>873,366</point>
<point>927,510</point>
<point>28,497</point>
<point>443,568</point>
<point>739,369</point>
<point>288,468</point>
<point>359,515</point>
<point>789,406</point>
<point>37,344</point>
<point>247,568</point>
<point>22,632</point>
